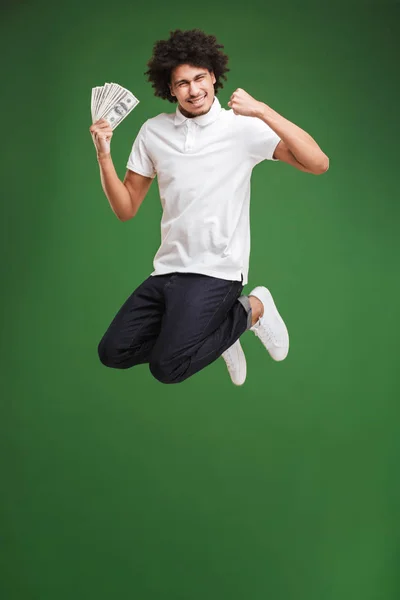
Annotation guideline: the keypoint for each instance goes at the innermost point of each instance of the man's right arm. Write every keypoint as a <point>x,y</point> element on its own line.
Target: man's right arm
<point>124,197</point>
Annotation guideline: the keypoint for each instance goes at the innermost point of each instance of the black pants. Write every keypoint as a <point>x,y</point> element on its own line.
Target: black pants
<point>177,323</point>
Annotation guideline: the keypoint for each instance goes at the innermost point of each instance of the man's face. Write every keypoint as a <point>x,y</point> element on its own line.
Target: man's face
<point>193,88</point>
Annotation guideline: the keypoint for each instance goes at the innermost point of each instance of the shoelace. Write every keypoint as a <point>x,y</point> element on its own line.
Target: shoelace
<point>265,333</point>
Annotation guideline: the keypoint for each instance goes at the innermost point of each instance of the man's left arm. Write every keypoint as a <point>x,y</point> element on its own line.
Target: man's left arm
<point>297,147</point>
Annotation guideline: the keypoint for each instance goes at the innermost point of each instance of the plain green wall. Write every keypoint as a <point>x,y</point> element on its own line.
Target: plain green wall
<point>117,486</point>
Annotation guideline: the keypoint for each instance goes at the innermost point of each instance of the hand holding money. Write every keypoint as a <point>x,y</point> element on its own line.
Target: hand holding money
<point>102,133</point>
<point>110,104</point>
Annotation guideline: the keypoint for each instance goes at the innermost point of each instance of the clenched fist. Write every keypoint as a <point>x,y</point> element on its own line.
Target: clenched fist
<point>243,104</point>
<point>101,133</point>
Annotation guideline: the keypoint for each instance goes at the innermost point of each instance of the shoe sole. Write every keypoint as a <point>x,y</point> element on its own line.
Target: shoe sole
<point>243,358</point>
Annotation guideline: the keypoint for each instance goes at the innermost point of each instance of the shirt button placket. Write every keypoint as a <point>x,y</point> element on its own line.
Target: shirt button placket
<point>189,142</point>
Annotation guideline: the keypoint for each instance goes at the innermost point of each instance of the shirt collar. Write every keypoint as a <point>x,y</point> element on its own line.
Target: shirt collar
<point>202,120</point>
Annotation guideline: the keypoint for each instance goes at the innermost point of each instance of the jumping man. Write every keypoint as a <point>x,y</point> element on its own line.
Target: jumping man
<point>191,309</point>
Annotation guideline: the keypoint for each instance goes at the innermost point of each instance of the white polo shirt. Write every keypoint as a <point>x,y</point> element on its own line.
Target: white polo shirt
<point>203,165</point>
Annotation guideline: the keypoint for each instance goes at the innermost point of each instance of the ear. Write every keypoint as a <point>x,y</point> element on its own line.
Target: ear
<point>213,77</point>
<point>170,90</point>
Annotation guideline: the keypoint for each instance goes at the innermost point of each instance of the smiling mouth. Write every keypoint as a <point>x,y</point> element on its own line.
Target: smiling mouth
<point>197,100</point>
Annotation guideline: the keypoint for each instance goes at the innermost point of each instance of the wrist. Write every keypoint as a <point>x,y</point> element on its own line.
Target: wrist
<point>260,110</point>
<point>263,111</point>
<point>271,117</point>
<point>103,156</point>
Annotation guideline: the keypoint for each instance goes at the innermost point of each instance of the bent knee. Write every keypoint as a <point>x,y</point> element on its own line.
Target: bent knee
<point>162,372</point>
<point>103,353</point>
<point>108,355</point>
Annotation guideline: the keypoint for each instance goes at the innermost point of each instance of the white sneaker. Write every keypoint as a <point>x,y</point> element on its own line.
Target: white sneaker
<point>236,363</point>
<point>270,328</point>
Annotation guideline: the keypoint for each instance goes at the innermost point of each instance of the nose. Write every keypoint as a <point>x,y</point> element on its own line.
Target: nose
<point>194,89</point>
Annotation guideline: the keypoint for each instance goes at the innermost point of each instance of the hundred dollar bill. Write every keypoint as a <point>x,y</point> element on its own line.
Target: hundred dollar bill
<point>114,94</point>
<point>126,102</point>
<point>95,92</point>
<point>102,97</point>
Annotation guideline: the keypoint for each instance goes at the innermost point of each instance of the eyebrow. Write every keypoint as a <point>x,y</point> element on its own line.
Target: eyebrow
<point>186,80</point>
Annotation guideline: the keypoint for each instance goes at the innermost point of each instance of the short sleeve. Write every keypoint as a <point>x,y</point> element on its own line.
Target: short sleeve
<point>139,158</point>
<point>262,140</point>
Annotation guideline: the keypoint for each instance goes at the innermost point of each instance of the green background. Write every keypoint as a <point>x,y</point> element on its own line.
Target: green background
<point>117,486</point>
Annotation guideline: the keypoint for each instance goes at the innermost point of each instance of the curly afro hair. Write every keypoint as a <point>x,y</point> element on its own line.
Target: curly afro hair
<point>192,47</point>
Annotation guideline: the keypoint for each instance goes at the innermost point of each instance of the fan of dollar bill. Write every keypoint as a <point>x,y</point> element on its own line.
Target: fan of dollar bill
<point>112,102</point>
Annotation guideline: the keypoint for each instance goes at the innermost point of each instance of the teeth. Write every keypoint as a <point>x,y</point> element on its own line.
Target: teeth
<point>198,100</point>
